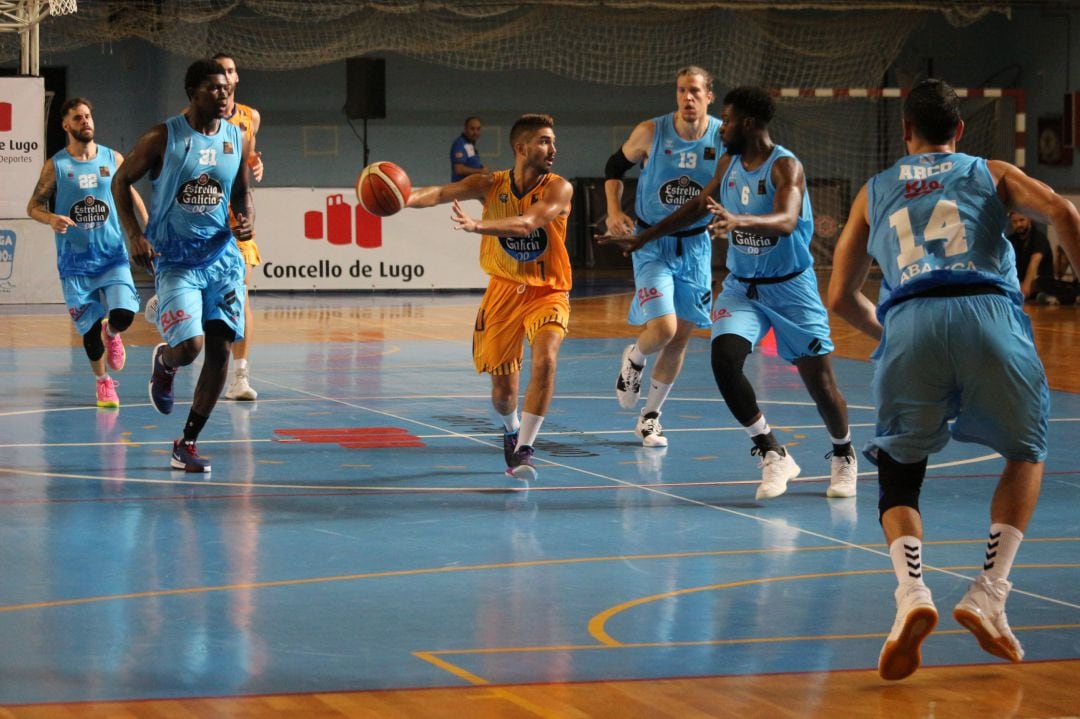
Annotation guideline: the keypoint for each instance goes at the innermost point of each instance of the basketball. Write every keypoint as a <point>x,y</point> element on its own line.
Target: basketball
<point>383,188</point>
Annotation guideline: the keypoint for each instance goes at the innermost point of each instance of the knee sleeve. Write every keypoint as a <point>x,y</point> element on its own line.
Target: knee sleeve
<point>120,319</point>
<point>93,343</point>
<point>729,353</point>
<point>898,484</point>
<point>218,328</point>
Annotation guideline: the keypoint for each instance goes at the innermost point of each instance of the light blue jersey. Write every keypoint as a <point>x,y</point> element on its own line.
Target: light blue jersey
<point>189,217</point>
<point>677,170</point>
<point>751,192</point>
<point>673,274</point>
<point>936,220</point>
<point>956,343</point>
<point>83,193</point>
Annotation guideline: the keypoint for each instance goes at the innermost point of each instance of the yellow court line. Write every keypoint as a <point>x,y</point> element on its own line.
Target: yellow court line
<point>399,573</point>
<point>597,623</point>
<point>488,567</point>
<point>435,656</point>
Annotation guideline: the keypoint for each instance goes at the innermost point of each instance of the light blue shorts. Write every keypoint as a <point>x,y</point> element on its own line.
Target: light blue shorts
<point>667,282</point>
<point>189,298</point>
<point>793,309</point>
<point>971,359</point>
<point>90,297</point>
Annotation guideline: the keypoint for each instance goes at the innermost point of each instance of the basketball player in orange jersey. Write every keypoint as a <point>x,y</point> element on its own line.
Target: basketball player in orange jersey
<point>528,297</point>
<point>248,120</point>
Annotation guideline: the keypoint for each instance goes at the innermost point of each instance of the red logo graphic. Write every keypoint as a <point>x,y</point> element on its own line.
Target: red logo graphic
<point>915,188</point>
<point>339,224</point>
<point>172,318</point>
<point>5,117</point>
<point>353,437</point>
<point>646,294</point>
<point>718,314</point>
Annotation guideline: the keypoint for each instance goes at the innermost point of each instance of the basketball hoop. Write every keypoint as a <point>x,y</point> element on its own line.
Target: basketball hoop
<point>63,7</point>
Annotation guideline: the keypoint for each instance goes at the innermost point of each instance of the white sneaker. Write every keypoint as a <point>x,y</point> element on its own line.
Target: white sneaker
<point>916,617</point>
<point>982,612</point>
<point>650,431</point>
<point>150,313</point>
<point>628,385</point>
<point>777,467</point>
<point>844,475</point>
<point>239,387</point>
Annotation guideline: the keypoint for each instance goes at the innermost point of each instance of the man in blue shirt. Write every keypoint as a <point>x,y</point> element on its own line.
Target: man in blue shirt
<point>464,157</point>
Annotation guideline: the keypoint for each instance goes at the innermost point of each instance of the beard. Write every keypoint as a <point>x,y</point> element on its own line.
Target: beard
<point>83,135</point>
<point>735,147</point>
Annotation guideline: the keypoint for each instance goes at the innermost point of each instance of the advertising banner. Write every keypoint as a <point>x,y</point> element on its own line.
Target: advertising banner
<point>321,239</point>
<point>28,263</point>
<point>22,141</point>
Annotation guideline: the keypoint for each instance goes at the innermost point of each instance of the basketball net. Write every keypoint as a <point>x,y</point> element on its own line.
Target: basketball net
<point>63,7</point>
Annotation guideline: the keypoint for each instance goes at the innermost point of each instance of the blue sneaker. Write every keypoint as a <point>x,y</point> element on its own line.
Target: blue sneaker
<point>521,464</point>
<point>161,382</point>
<point>186,457</point>
<point>509,445</point>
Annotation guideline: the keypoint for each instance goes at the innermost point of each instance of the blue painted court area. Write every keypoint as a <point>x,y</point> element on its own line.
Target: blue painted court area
<point>358,532</point>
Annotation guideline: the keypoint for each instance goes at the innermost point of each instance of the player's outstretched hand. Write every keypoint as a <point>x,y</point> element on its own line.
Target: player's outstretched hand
<point>461,220</point>
<point>627,242</point>
<point>723,222</point>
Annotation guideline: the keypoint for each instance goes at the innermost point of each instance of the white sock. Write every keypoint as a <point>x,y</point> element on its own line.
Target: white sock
<point>101,377</point>
<point>906,555</point>
<point>530,427</point>
<point>1001,548</point>
<point>241,363</point>
<point>658,392</point>
<point>845,440</point>
<point>759,427</point>
<point>636,357</point>
<point>510,421</point>
<point>109,330</point>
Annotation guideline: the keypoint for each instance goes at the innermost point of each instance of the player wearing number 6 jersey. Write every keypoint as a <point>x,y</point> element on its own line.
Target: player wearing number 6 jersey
<point>765,211</point>
<point>954,344</point>
<point>523,249</point>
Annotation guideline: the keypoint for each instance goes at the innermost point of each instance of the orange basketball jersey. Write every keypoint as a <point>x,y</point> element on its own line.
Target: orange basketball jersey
<point>539,259</point>
<point>242,118</point>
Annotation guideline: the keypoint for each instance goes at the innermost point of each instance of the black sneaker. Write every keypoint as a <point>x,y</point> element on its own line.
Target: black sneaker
<point>509,445</point>
<point>161,382</point>
<point>186,457</point>
<point>628,384</point>
<point>521,464</point>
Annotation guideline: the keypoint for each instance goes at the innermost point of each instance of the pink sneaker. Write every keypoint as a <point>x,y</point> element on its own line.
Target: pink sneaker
<point>106,393</point>
<point>115,354</point>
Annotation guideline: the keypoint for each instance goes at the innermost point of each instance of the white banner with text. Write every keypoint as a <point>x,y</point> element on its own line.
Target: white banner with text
<point>22,141</point>
<point>321,239</point>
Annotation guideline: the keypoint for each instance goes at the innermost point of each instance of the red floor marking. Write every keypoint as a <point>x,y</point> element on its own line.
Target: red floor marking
<point>353,437</point>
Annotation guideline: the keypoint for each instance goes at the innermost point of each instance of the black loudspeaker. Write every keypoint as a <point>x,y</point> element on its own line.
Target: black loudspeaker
<point>365,88</point>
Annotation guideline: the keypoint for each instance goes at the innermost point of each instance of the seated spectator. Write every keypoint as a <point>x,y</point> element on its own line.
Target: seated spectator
<point>1035,265</point>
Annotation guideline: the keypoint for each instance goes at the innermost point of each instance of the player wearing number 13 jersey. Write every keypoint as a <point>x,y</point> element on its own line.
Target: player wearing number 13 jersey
<point>955,344</point>
<point>523,249</point>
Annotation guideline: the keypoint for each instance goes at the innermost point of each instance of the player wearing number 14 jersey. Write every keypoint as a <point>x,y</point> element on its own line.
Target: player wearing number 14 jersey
<point>955,344</point>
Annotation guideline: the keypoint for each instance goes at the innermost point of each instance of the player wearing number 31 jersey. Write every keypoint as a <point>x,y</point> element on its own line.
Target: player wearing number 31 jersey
<point>955,344</point>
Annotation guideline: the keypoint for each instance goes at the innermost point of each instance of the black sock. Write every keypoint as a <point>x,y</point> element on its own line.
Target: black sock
<point>843,450</point>
<point>766,441</point>
<point>195,423</point>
